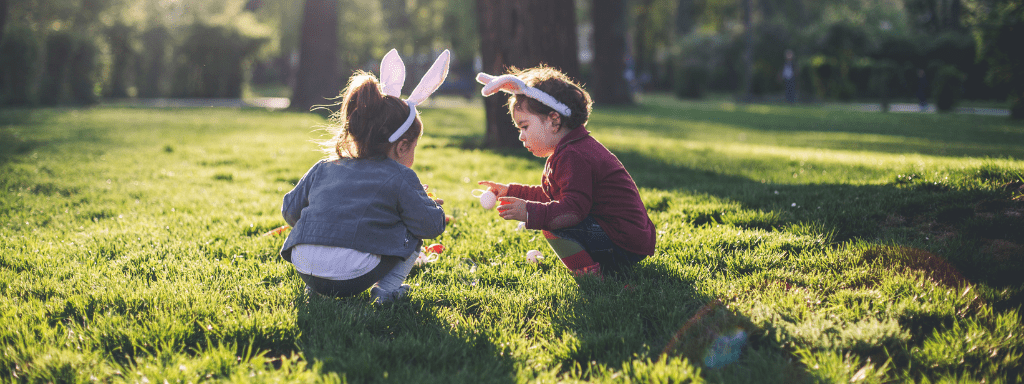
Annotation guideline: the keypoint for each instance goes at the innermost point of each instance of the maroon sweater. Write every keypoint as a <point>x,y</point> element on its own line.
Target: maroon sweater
<point>583,178</point>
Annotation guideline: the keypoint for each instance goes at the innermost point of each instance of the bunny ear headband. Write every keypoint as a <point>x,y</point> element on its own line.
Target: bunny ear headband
<point>514,85</point>
<point>392,78</point>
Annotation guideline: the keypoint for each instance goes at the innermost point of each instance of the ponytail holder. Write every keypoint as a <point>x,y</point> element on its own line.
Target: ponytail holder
<point>516,86</point>
<point>392,78</point>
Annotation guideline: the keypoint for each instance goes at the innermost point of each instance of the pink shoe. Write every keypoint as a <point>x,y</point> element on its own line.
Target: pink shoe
<point>594,270</point>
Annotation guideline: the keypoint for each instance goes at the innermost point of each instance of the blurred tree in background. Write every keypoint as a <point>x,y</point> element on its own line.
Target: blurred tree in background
<point>523,34</point>
<point>844,49</point>
<point>609,85</point>
<point>998,27</point>
<point>318,55</point>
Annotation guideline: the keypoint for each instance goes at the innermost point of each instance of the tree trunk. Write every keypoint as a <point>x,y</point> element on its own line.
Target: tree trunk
<point>524,34</point>
<point>1016,101</point>
<point>748,52</point>
<point>3,18</point>
<point>119,38</point>
<point>609,86</point>
<point>318,77</point>
<point>685,17</point>
<point>396,17</point>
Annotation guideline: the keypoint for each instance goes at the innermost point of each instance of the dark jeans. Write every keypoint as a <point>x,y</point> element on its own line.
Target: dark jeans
<point>340,288</point>
<point>589,235</point>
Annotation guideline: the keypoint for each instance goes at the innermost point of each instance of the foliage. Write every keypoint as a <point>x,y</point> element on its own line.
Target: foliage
<point>953,48</point>
<point>153,62</point>
<point>59,47</point>
<point>83,76</point>
<point>18,51</point>
<point>211,61</point>
<point>698,62</point>
<point>122,51</point>
<point>849,246</point>
<point>998,27</point>
<point>949,83</point>
<point>691,81</point>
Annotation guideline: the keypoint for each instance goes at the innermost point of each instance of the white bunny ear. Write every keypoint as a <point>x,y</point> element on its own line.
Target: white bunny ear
<point>515,85</point>
<point>432,79</point>
<point>507,83</point>
<point>392,74</point>
<point>484,78</point>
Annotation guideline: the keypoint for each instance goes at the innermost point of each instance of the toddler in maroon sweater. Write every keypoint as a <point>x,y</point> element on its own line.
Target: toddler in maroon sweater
<point>587,205</point>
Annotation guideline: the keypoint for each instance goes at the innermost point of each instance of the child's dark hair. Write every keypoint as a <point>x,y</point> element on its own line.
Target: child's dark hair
<point>559,86</point>
<point>366,118</point>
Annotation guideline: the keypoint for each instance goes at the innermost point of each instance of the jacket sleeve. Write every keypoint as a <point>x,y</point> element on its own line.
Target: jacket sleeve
<point>528,192</point>
<point>421,215</point>
<point>298,198</point>
<point>574,176</point>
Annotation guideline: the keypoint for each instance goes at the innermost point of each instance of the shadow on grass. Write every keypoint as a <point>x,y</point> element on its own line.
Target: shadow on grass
<point>653,312</point>
<point>980,136</point>
<point>400,341</point>
<point>13,145</point>
<point>981,233</point>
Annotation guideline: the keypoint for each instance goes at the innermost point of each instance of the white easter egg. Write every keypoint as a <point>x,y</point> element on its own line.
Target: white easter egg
<point>487,200</point>
<point>534,256</point>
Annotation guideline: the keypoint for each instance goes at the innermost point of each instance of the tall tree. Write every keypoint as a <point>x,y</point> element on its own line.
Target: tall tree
<point>523,34</point>
<point>609,86</point>
<point>686,17</point>
<point>3,18</point>
<point>396,18</point>
<point>998,27</point>
<point>748,51</point>
<point>317,77</point>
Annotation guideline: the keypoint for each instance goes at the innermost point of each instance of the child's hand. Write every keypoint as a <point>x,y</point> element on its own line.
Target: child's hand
<point>432,197</point>
<point>499,190</point>
<point>512,208</point>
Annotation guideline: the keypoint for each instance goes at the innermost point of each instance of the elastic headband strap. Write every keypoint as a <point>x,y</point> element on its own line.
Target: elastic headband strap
<point>405,126</point>
<point>516,86</point>
<point>548,100</point>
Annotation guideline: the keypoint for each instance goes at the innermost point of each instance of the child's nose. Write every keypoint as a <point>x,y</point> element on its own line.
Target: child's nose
<point>522,136</point>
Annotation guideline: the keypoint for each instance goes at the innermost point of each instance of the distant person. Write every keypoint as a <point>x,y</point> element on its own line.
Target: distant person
<point>630,74</point>
<point>360,215</point>
<point>789,77</point>
<point>587,205</point>
<point>922,90</point>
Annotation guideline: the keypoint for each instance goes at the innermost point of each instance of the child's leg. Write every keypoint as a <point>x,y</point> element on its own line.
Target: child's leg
<point>342,288</point>
<point>572,254</point>
<point>599,249</point>
<point>390,286</point>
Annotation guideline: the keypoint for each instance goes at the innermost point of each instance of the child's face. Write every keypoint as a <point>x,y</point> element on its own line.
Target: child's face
<point>538,133</point>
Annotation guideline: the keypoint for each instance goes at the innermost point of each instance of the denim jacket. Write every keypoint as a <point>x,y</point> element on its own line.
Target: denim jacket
<point>371,205</point>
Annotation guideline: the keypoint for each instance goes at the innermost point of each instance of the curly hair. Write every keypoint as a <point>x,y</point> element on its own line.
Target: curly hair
<point>558,85</point>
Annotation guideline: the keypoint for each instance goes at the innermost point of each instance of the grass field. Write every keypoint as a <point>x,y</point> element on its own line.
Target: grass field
<point>845,247</point>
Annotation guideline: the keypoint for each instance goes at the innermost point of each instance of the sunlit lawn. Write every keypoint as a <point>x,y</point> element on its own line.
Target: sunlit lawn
<point>845,246</point>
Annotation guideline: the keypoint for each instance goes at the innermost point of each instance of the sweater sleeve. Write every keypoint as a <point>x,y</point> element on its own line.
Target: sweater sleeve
<point>298,198</point>
<point>421,215</point>
<point>528,192</point>
<point>573,176</point>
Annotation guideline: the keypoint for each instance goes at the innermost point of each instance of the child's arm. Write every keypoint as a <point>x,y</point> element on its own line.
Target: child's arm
<point>298,198</point>
<point>573,174</point>
<point>528,192</point>
<point>422,216</point>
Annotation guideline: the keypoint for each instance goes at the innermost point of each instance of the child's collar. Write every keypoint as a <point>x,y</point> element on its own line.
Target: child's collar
<point>574,135</point>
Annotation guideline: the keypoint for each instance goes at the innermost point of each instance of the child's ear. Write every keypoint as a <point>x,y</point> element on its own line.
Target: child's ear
<point>404,146</point>
<point>556,120</point>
